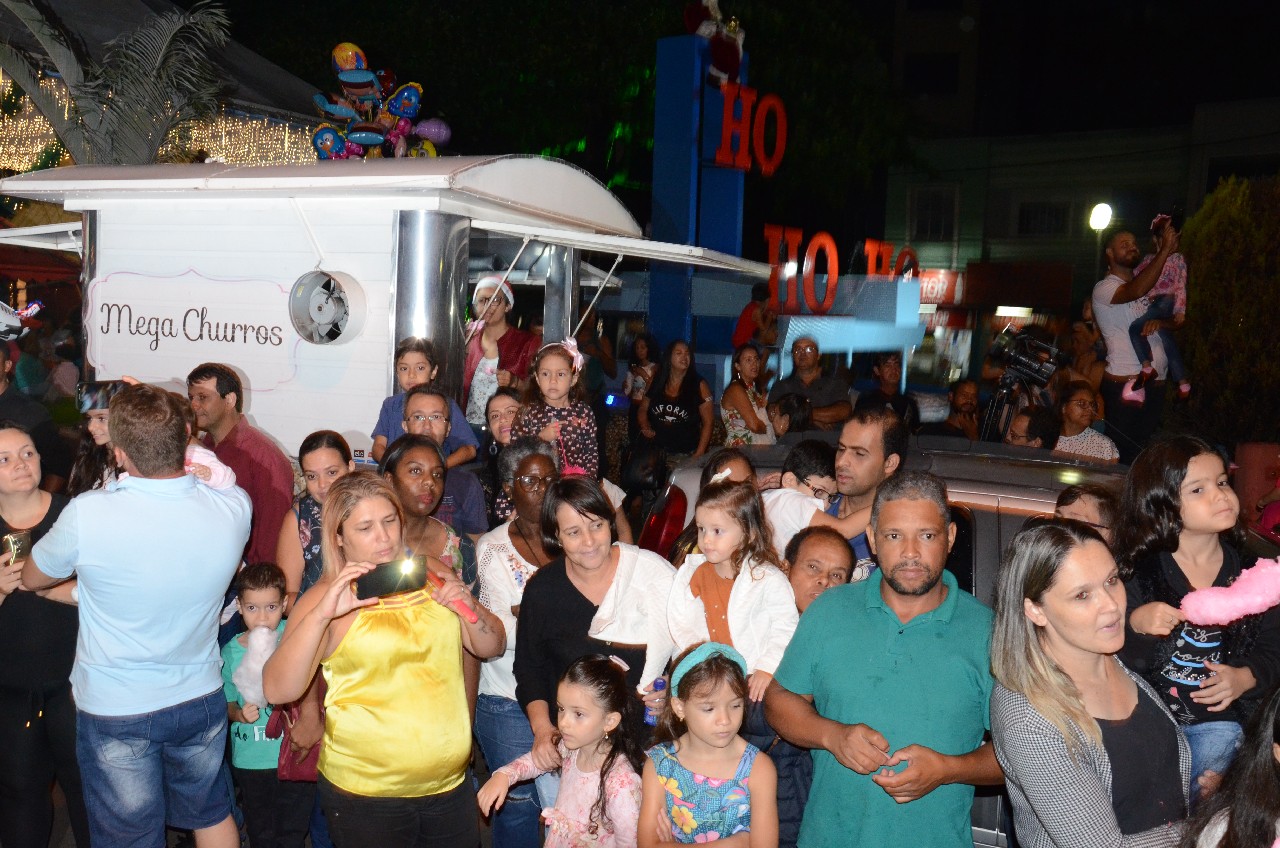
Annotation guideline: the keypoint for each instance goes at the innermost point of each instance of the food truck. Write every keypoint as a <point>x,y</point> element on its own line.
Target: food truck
<point>303,278</point>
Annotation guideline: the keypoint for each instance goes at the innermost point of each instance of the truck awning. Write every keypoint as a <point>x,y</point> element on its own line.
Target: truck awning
<point>658,251</point>
<point>62,236</point>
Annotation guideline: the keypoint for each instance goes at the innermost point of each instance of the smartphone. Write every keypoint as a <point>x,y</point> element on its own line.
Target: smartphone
<point>97,395</point>
<point>17,545</point>
<point>392,578</point>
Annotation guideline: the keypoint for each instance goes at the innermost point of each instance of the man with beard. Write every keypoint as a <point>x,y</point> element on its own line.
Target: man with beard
<point>871,447</point>
<point>1117,301</point>
<point>897,733</point>
<point>962,422</point>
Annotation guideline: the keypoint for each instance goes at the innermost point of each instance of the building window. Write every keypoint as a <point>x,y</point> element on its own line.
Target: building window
<point>933,214</point>
<point>1044,218</point>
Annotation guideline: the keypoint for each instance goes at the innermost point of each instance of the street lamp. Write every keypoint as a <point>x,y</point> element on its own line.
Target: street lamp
<point>1099,220</point>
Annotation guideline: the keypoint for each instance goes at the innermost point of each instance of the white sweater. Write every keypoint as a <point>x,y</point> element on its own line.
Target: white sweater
<point>762,613</point>
<point>634,610</point>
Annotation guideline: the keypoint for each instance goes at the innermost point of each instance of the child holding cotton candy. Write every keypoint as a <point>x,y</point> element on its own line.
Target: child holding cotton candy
<point>1180,532</point>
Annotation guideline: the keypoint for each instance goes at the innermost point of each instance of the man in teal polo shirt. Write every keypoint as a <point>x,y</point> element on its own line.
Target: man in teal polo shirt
<point>889,681</point>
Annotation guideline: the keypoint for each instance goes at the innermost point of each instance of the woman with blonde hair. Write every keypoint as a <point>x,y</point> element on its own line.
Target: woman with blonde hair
<point>1090,754</point>
<point>397,738</point>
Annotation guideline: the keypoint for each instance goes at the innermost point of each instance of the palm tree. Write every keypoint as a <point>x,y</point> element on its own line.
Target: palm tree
<point>149,83</point>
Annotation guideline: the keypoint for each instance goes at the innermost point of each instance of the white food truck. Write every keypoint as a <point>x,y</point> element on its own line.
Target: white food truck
<point>303,278</point>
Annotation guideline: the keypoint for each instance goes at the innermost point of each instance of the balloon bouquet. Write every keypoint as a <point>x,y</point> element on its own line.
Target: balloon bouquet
<point>376,116</point>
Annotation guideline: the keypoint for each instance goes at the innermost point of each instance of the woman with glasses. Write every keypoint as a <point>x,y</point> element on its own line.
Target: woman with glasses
<point>1078,409</point>
<point>507,557</point>
<point>596,596</point>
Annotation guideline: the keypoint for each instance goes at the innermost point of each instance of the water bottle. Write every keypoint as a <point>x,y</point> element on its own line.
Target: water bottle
<point>651,713</point>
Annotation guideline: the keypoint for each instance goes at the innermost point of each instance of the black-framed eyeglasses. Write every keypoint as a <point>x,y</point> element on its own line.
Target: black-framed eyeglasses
<point>534,483</point>
<point>1021,438</point>
<point>821,493</point>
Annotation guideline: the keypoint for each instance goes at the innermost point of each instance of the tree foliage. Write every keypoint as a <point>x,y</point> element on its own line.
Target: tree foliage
<point>149,82</point>
<point>1232,245</point>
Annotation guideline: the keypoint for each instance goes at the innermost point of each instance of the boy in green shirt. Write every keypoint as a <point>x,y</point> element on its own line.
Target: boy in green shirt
<point>276,812</point>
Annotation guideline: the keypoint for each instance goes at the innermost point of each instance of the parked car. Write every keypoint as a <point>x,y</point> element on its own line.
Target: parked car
<point>992,488</point>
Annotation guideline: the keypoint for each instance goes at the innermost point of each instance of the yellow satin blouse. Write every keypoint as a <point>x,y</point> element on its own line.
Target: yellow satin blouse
<point>396,720</point>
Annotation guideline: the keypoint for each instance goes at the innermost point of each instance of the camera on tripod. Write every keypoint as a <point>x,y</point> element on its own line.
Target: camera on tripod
<point>1025,358</point>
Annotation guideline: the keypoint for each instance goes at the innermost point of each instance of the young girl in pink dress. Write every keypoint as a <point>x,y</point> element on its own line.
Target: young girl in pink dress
<point>599,799</point>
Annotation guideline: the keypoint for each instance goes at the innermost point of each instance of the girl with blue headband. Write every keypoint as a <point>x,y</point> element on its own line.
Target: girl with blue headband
<point>703,781</point>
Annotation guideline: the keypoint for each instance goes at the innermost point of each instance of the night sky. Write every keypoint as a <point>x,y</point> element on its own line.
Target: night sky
<point>560,77</point>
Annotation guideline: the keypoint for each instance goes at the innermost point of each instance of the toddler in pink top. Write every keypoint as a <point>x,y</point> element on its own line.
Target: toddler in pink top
<point>598,757</point>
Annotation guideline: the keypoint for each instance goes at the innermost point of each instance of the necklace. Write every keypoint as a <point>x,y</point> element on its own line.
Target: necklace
<point>422,537</point>
<point>532,551</point>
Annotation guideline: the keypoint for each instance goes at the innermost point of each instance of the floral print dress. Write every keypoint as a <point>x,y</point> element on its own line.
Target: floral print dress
<point>703,809</point>
<point>735,426</point>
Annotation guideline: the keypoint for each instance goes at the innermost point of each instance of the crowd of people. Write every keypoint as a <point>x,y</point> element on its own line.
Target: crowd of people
<point>199,643</point>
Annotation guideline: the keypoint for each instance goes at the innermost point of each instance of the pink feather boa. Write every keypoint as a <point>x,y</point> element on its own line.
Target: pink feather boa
<point>1256,590</point>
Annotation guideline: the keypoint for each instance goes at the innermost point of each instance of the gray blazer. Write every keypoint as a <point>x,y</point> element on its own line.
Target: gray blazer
<point>1059,801</point>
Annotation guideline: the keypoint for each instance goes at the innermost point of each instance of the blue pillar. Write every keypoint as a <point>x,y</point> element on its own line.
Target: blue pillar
<point>694,200</point>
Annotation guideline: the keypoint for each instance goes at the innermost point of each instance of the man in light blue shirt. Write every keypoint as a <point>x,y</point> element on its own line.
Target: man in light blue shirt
<point>153,557</point>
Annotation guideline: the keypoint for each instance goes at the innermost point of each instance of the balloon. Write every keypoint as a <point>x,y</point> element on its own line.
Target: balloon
<point>347,56</point>
<point>423,150</point>
<point>406,101</point>
<point>328,142</point>
<point>333,106</point>
<point>434,130</point>
<point>367,133</point>
<point>386,81</point>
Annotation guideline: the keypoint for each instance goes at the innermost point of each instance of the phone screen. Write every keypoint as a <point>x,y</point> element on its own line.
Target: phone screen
<point>97,395</point>
<point>392,578</point>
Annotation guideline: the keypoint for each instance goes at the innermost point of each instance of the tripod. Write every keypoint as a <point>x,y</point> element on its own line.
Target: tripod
<point>1003,405</point>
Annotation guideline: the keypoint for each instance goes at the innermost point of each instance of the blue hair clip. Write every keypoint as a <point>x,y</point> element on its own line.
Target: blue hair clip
<point>702,653</point>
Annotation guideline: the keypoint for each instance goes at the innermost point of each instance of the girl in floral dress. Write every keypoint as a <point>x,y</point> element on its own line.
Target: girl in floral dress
<point>703,782</point>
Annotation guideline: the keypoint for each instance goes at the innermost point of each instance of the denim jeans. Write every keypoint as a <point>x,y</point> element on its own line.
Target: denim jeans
<point>504,734</point>
<point>1161,309</point>
<point>1213,746</point>
<point>143,771</point>
<point>1128,426</point>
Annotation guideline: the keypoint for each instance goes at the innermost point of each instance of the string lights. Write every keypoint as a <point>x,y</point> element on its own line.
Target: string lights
<point>232,135</point>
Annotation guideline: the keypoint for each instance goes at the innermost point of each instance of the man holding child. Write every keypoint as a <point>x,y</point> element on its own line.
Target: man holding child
<point>154,556</point>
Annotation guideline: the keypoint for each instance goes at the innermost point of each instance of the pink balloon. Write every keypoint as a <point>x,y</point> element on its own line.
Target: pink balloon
<point>434,130</point>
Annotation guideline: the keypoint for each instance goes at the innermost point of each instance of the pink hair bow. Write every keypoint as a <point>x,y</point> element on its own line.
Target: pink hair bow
<point>571,347</point>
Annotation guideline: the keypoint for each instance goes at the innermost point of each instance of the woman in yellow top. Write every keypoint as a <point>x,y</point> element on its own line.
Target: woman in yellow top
<point>397,738</point>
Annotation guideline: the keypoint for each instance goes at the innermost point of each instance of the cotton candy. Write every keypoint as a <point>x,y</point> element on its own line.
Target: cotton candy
<point>1256,590</point>
<point>248,675</point>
